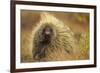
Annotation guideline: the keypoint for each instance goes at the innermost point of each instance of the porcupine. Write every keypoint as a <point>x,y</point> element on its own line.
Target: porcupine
<point>53,40</point>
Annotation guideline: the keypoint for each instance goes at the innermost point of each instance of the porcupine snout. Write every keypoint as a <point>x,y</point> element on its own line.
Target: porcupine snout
<point>46,35</point>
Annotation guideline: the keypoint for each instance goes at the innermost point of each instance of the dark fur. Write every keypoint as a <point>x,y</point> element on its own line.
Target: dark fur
<point>44,41</point>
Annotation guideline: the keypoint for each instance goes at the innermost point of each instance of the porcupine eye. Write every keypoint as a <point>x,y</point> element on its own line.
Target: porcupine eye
<point>47,34</point>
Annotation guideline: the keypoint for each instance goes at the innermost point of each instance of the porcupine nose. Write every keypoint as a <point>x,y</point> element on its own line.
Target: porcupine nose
<point>47,34</point>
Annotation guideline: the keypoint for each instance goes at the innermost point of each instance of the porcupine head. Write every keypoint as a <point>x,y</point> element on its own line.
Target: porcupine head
<point>51,35</point>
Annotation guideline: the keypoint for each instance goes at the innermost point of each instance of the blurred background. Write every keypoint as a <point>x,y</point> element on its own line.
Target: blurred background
<point>77,22</point>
